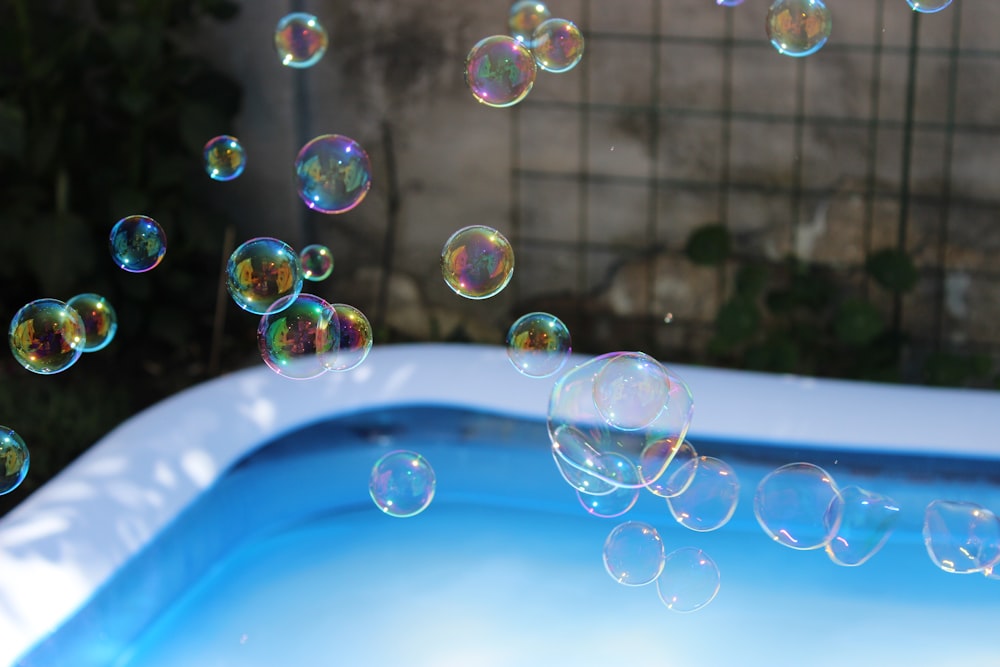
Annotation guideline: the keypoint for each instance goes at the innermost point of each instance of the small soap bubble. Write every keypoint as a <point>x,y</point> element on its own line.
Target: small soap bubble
<point>355,339</point>
<point>298,335</point>
<point>500,71</point>
<point>557,45</point>
<point>46,336</point>
<point>317,262</point>
<point>710,499</point>
<point>402,484</point>
<point>332,174</point>
<point>622,498</point>
<point>300,40</point>
<point>689,581</point>
<point>929,6</point>
<point>99,320</point>
<point>668,318</point>
<point>262,271</point>
<point>867,522</point>
<point>631,390</point>
<point>579,463</point>
<point>799,506</point>
<point>137,243</point>
<point>679,472</point>
<point>633,554</point>
<point>525,16</point>
<point>225,158</point>
<point>538,344</point>
<point>798,28</point>
<point>14,460</point>
<point>477,262</point>
<point>729,3</point>
<point>961,537</point>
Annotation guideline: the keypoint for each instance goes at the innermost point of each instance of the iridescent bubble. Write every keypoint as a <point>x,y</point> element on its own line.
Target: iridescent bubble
<point>500,71</point>
<point>262,271</point>
<point>99,320</point>
<point>678,476</point>
<point>622,498</point>
<point>631,390</point>
<point>355,339</point>
<point>689,581</point>
<point>298,335</point>
<point>317,262</point>
<point>525,16</point>
<point>798,28</point>
<point>633,554</point>
<point>300,40</point>
<point>137,243</point>
<point>557,45</point>
<point>729,3</point>
<point>402,484</point>
<point>14,460</point>
<point>332,174</point>
<point>961,537</point>
<point>47,336</point>
<point>867,522</point>
<point>538,344</point>
<point>929,6</point>
<point>580,464</point>
<point>711,496</point>
<point>799,506</point>
<point>225,158</point>
<point>477,262</point>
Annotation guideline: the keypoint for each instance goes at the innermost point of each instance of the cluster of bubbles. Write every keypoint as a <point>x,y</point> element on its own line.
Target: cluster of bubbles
<point>500,70</point>
<point>402,484</point>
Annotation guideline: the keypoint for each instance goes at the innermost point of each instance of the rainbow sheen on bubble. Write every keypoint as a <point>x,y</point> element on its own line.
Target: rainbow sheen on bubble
<point>622,498</point>
<point>355,337</point>
<point>538,344</point>
<point>477,262</point>
<point>868,520</point>
<point>298,336</point>
<point>961,537</point>
<point>260,272</point>
<point>729,3</point>
<point>633,554</point>
<point>46,336</point>
<point>631,390</point>
<point>500,71</point>
<point>689,581</point>
<point>679,474</point>
<point>300,40</point>
<point>557,45</point>
<point>799,506</point>
<point>317,262</point>
<point>524,17</point>
<point>402,484</point>
<point>100,321</point>
<point>137,243</point>
<point>224,157</point>
<point>929,6</point>
<point>580,464</point>
<point>711,496</point>
<point>14,460</point>
<point>332,174</point>
<point>798,28</point>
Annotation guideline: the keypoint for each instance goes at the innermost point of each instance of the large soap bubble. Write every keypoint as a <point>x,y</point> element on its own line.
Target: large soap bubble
<point>799,506</point>
<point>798,28</point>
<point>867,522</point>
<point>333,174</point>
<point>961,537</point>
<point>47,336</point>
<point>262,271</point>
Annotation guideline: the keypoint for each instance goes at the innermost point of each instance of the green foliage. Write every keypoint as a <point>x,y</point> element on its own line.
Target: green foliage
<point>893,269</point>
<point>708,245</point>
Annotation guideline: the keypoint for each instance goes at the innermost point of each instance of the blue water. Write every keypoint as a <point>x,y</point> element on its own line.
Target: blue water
<point>287,562</point>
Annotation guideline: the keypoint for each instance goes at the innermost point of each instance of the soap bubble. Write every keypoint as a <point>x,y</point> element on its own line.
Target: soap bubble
<point>622,498</point>
<point>137,243</point>
<point>961,537</point>
<point>332,174</point>
<point>14,460</point>
<point>99,320</point>
<point>929,6</point>
<point>799,506</point>
<point>868,520</point>
<point>477,262</point>
<point>572,405</point>
<point>633,554</point>
<point>631,390</point>
<point>678,475</point>
<point>580,464</point>
<point>46,336</point>
<point>355,339</point>
<point>798,28</point>
<point>317,262</point>
<point>689,581</point>
<point>402,484</point>
<point>729,3</point>
<point>538,344</point>
<point>500,71</point>
<point>711,496</point>
<point>262,271</point>
<point>524,17</point>
<point>297,336</point>
<point>300,40</point>
<point>225,158</point>
<point>557,45</point>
